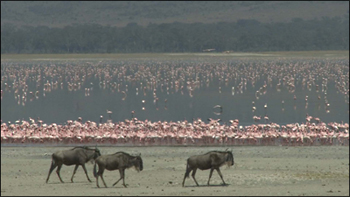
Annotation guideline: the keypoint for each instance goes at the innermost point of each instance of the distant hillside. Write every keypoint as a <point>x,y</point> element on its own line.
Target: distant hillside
<point>120,13</point>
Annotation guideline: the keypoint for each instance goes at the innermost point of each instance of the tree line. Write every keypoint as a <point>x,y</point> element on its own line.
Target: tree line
<point>241,36</point>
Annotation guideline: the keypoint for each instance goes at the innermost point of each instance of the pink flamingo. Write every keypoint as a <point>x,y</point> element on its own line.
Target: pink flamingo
<point>256,118</point>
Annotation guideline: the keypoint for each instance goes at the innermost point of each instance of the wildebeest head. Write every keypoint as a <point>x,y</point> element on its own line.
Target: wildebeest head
<point>138,163</point>
<point>97,153</point>
<point>229,158</point>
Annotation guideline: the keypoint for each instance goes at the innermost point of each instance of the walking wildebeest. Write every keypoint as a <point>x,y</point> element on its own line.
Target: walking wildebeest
<point>75,156</point>
<point>119,160</point>
<point>211,160</point>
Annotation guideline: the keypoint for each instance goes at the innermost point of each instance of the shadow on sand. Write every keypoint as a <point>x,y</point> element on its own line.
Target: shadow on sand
<point>211,185</point>
<point>69,182</point>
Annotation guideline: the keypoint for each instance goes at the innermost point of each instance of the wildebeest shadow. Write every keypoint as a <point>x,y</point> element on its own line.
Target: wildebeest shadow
<point>211,185</point>
<point>55,183</point>
<point>109,187</point>
<point>120,187</point>
<point>75,182</point>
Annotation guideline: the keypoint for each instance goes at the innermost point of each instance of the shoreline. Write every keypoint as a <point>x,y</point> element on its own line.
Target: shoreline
<point>112,56</point>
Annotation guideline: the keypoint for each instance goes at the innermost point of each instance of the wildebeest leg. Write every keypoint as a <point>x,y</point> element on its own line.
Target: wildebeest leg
<point>121,172</point>
<point>58,172</point>
<point>193,174</point>
<point>103,179</point>
<point>85,172</point>
<point>97,180</point>
<point>124,178</point>
<point>218,169</point>
<point>53,166</point>
<point>75,169</point>
<point>211,173</point>
<point>100,173</point>
<point>186,175</point>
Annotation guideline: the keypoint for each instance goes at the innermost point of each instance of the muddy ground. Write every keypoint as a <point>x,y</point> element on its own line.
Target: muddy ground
<point>269,170</point>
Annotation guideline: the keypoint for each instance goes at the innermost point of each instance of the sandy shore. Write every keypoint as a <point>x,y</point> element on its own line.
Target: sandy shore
<point>267,170</point>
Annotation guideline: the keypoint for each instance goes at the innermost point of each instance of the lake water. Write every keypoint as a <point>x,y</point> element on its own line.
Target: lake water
<point>60,105</point>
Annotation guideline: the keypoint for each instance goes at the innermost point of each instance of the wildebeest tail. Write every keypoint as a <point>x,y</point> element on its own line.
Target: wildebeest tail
<point>95,171</point>
<point>52,160</point>
<point>187,173</point>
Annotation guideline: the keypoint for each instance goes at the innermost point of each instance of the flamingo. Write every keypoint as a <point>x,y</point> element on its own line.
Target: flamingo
<point>109,114</point>
<point>256,118</point>
<point>266,118</point>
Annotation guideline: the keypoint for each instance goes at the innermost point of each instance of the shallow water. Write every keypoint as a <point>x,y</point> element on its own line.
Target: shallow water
<point>61,105</point>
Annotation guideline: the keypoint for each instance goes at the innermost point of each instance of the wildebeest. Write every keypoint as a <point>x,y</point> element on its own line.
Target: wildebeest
<point>119,160</point>
<point>75,156</point>
<point>211,160</point>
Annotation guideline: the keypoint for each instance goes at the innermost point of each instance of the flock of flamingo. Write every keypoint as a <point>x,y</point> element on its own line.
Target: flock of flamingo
<point>31,82</point>
<point>136,132</point>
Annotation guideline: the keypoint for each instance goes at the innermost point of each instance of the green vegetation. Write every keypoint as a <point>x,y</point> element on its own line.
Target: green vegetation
<point>240,36</point>
<point>120,13</point>
<point>172,27</point>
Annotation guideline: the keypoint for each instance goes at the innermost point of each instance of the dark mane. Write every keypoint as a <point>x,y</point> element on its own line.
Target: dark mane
<point>216,151</point>
<point>83,147</point>
<point>122,153</point>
